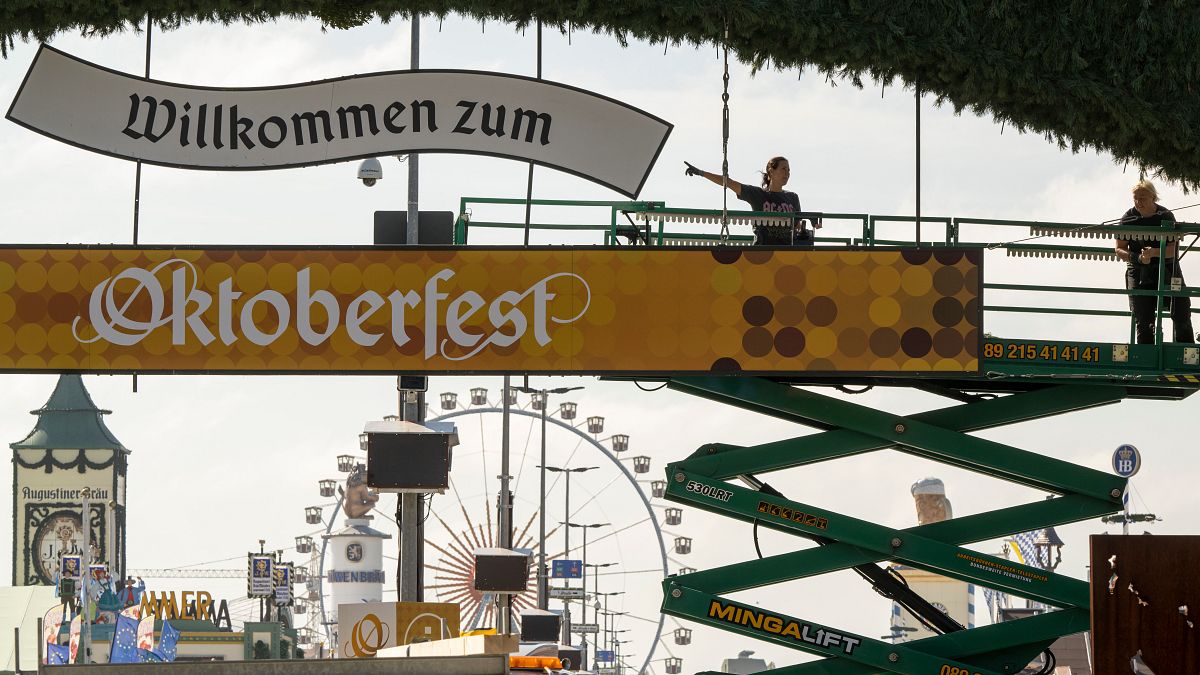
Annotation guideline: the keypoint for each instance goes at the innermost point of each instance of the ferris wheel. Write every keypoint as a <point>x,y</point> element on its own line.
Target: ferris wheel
<point>600,509</point>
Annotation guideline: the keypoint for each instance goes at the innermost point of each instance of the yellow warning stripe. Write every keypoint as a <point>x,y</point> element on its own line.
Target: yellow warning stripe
<point>1193,379</point>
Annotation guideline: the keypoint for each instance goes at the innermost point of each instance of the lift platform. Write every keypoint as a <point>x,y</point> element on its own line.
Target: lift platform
<point>1018,379</point>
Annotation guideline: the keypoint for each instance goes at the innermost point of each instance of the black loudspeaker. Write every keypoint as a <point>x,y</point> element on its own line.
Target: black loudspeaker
<point>500,570</point>
<point>411,461</point>
<point>434,228</point>
<point>540,626</point>
<point>413,383</point>
<point>572,658</point>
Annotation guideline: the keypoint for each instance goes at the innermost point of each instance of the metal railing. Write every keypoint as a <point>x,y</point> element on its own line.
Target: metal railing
<point>653,223</point>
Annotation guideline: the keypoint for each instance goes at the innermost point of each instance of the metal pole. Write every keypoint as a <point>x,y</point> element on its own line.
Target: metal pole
<point>505,519</point>
<point>585,575</point>
<point>409,573</point>
<point>410,570</point>
<point>1125,520</point>
<point>413,158</point>
<point>543,592</point>
<point>41,630</point>
<point>529,181</point>
<point>85,630</point>
<point>918,131</point>
<point>566,627</point>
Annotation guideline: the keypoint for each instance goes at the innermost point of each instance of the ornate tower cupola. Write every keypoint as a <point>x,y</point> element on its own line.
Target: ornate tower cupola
<point>69,451</point>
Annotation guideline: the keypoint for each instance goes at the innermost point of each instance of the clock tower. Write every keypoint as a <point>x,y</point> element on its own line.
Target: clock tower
<point>69,449</point>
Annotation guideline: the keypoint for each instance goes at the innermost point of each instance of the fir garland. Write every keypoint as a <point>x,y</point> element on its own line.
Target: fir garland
<point>1112,75</point>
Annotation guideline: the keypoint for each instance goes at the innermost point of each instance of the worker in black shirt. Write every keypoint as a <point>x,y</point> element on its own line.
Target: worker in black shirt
<point>1141,272</point>
<point>770,197</point>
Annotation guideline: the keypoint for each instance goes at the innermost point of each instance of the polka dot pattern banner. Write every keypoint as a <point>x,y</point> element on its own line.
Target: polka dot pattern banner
<point>549,310</point>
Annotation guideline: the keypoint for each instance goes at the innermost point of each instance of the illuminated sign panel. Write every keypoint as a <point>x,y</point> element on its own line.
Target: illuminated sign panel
<point>555,125</point>
<point>548,310</point>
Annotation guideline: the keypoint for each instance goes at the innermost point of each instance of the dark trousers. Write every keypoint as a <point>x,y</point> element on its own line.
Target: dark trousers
<point>781,236</point>
<point>1146,278</point>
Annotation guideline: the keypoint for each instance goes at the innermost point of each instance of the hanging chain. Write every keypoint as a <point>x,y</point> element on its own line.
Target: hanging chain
<point>725,139</point>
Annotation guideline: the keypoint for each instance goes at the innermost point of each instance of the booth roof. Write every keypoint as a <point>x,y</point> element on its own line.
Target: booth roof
<point>1106,74</point>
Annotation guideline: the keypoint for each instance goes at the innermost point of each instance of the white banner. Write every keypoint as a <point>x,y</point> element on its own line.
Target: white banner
<point>328,121</point>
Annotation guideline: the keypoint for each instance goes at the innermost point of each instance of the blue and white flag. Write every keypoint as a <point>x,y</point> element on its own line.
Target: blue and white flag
<point>58,655</point>
<point>1026,550</point>
<point>124,642</point>
<point>167,641</point>
<point>147,656</point>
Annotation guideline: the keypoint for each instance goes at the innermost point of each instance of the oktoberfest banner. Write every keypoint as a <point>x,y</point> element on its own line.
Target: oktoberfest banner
<point>459,111</point>
<point>488,310</point>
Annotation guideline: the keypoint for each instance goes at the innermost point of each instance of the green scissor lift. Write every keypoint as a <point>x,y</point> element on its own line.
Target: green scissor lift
<point>1019,380</point>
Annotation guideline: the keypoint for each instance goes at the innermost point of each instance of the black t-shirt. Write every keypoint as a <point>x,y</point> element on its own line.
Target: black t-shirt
<point>1133,218</point>
<point>761,200</point>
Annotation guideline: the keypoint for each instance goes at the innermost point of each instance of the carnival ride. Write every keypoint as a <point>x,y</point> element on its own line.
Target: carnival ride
<point>462,520</point>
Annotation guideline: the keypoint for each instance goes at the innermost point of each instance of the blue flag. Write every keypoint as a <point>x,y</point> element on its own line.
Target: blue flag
<point>57,655</point>
<point>166,642</point>
<point>147,656</point>
<point>124,642</point>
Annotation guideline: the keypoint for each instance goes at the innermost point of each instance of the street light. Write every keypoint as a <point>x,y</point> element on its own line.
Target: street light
<point>608,627</point>
<point>566,533</point>
<point>585,528</point>
<point>595,581</point>
<point>543,581</point>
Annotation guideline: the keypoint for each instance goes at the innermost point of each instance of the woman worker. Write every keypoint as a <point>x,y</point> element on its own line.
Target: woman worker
<point>770,197</point>
<point>1141,272</point>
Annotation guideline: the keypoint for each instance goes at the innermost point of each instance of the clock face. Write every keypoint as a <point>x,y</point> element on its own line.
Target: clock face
<point>60,533</point>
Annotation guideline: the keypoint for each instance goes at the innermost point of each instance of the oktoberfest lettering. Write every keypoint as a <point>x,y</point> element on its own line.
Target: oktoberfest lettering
<point>181,308</point>
<point>206,124</point>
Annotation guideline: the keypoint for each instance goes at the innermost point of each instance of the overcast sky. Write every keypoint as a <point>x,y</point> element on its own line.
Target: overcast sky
<point>219,462</point>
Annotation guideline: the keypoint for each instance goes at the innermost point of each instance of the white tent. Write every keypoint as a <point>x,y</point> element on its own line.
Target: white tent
<point>21,607</point>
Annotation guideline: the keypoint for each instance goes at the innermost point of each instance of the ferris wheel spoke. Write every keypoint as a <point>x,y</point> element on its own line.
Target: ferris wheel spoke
<point>483,453</point>
<point>470,525</point>
<point>455,542</point>
<point>453,567</point>
<point>528,524</point>
<point>595,495</point>
<point>524,452</point>
<point>452,555</point>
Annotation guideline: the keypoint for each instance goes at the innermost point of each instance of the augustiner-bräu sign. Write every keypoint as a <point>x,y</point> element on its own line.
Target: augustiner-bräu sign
<point>458,111</point>
<point>537,310</point>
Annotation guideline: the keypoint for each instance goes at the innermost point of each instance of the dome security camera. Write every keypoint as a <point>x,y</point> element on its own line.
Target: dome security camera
<point>370,171</point>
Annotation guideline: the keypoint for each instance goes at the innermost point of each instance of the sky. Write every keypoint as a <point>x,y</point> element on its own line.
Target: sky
<point>221,461</point>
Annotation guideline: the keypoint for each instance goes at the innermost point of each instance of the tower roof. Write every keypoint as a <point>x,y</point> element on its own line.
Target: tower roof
<point>69,420</point>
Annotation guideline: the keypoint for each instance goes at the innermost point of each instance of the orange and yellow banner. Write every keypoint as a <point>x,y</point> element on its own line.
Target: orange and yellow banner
<point>541,310</point>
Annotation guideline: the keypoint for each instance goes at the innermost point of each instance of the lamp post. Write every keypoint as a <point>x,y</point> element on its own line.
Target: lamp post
<point>585,527</point>
<point>595,581</point>
<point>542,579</point>
<point>608,626</point>
<point>567,538</point>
